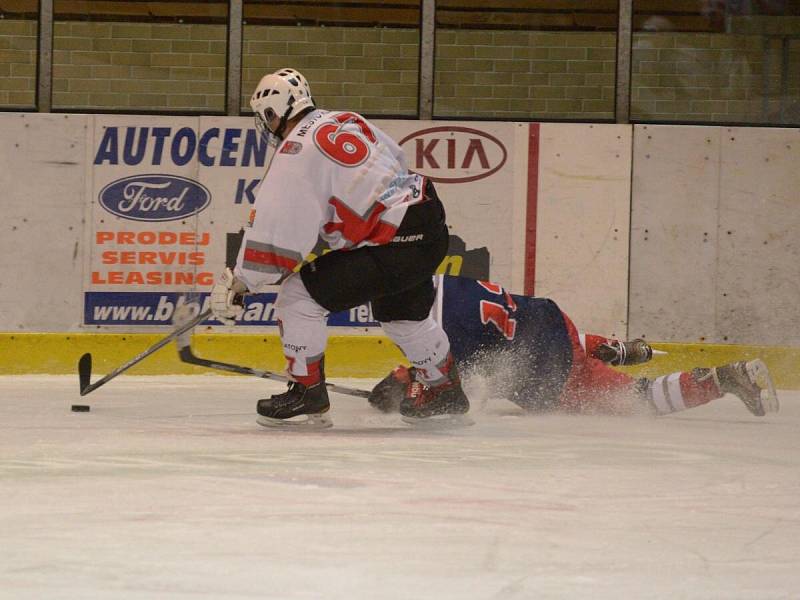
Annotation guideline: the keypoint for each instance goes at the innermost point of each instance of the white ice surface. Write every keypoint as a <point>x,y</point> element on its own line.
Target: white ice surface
<point>169,489</point>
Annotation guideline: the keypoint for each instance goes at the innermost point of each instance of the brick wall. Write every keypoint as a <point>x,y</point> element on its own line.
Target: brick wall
<point>17,63</point>
<point>794,78</point>
<point>519,74</point>
<point>368,70</point>
<point>712,77</point>
<point>489,74</point>
<point>139,66</point>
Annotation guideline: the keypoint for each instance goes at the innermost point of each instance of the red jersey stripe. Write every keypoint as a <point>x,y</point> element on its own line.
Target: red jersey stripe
<point>269,258</point>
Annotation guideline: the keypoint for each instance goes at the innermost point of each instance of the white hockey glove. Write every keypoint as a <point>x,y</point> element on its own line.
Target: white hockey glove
<point>227,298</point>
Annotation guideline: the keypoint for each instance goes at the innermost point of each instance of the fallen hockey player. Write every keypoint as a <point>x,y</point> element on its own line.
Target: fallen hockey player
<point>536,358</point>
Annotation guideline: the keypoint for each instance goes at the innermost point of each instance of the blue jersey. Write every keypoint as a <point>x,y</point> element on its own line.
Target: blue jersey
<point>482,319</point>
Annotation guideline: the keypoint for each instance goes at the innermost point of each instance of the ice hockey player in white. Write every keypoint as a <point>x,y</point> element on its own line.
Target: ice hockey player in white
<point>337,177</point>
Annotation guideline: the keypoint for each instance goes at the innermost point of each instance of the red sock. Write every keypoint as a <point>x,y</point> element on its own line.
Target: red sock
<point>313,372</point>
<point>679,391</point>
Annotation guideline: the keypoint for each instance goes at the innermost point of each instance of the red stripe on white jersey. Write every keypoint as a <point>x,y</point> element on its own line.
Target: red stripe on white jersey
<point>269,258</point>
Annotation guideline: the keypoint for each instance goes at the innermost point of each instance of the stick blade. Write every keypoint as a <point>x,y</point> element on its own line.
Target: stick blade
<point>186,355</point>
<point>85,372</point>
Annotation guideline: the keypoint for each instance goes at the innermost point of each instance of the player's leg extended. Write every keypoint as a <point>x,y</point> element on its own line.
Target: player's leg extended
<point>593,386</point>
<point>304,336</point>
<point>599,388</point>
<point>750,381</point>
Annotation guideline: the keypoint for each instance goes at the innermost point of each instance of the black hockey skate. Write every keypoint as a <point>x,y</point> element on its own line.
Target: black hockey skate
<point>442,405</point>
<point>298,407</point>
<point>618,353</point>
<point>751,382</point>
<point>390,391</point>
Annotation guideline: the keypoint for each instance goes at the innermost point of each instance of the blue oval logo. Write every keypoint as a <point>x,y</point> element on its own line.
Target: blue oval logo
<point>154,197</point>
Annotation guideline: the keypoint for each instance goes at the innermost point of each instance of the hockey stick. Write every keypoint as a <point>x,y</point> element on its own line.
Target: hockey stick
<point>187,356</point>
<point>183,342</point>
<point>85,363</point>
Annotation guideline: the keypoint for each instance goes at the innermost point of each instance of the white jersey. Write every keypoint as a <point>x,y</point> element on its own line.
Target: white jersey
<point>336,176</point>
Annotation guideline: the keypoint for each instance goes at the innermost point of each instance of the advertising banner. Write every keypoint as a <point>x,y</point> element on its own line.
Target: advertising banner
<point>479,171</point>
<point>169,197</point>
<point>160,210</point>
<point>157,308</point>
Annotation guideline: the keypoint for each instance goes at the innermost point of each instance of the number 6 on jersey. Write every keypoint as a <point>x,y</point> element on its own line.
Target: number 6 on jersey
<point>347,148</point>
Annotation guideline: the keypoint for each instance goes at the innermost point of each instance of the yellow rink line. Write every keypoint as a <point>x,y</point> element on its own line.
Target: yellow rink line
<point>347,356</point>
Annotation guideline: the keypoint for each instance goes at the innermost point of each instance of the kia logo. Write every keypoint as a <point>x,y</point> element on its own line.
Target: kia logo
<point>154,197</point>
<point>454,154</point>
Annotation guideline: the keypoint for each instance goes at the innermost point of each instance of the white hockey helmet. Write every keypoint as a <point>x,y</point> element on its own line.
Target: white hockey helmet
<point>284,94</point>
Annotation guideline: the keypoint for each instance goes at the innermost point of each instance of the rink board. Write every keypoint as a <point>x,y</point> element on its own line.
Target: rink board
<point>120,207</point>
<point>582,222</point>
<point>680,234</point>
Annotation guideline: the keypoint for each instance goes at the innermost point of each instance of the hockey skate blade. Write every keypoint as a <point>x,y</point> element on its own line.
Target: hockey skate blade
<point>299,423</point>
<point>439,422</point>
<point>759,373</point>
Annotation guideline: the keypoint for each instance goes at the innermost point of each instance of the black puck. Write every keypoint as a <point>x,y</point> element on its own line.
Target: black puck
<point>81,408</point>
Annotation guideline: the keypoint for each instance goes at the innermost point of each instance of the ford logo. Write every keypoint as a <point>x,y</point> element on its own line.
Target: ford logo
<point>154,197</point>
<point>454,154</point>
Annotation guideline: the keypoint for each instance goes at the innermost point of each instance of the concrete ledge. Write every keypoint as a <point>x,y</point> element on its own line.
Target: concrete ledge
<point>347,356</point>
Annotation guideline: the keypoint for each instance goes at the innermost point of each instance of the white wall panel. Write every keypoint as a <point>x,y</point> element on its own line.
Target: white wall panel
<point>42,173</point>
<point>676,176</point>
<point>758,300</point>
<point>714,248</point>
<point>583,218</point>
